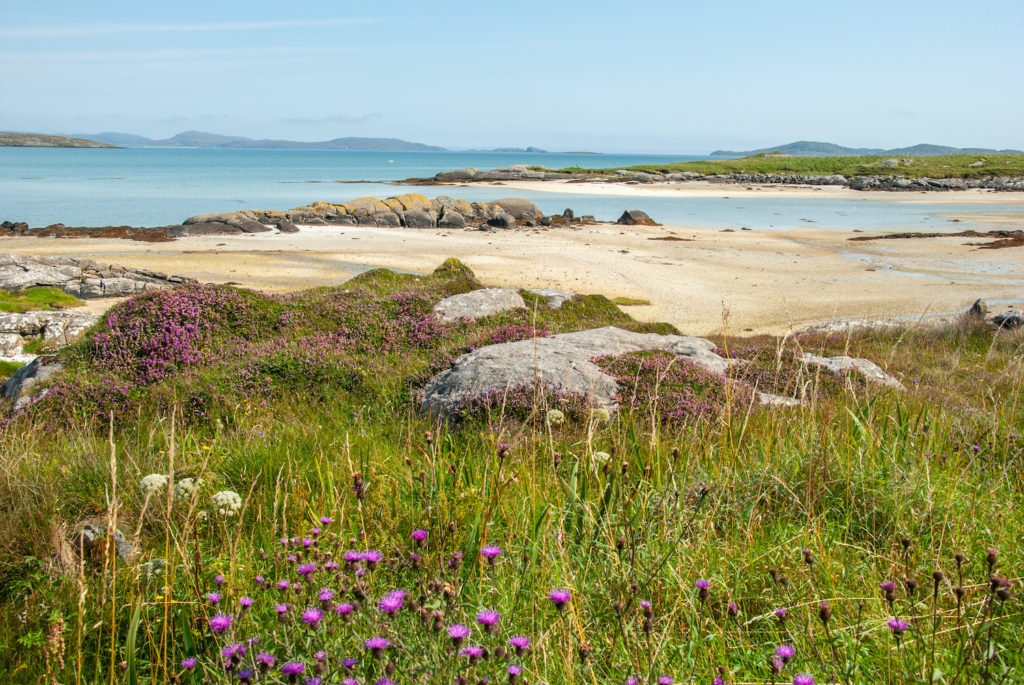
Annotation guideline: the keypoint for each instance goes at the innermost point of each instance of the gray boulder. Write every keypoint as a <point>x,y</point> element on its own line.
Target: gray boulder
<point>520,208</point>
<point>19,387</point>
<point>636,217</point>
<point>451,219</point>
<point>1009,320</point>
<point>286,226</point>
<point>871,371</point>
<point>502,220</point>
<point>93,543</point>
<point>467,174</point>
<point>559,363</point>
<point>477,304</point>
<point>417,218</point>
<point>555,297</point>
<point>80,277</point>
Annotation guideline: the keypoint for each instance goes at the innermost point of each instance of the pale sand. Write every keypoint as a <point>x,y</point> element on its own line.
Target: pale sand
<point>767,281</point>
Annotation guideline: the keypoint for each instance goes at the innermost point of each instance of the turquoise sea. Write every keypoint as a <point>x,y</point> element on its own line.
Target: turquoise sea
<point>150,187</point>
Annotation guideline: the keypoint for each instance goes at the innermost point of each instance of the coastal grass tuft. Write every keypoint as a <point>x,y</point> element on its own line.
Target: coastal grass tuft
<point>37,299</point>
<point>937,166</point>
<point>278,455</point>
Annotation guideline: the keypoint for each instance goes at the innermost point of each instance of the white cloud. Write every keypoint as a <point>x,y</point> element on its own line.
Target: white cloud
<point>89,30</point>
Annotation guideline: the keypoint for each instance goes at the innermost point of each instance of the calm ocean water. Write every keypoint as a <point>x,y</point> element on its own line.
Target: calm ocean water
<point>149,187</point>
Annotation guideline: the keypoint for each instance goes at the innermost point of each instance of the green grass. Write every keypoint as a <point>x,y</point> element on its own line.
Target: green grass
<point>35,299</point>
<point>630,301</point>
<point>877,486</point>
<point>939,166</point>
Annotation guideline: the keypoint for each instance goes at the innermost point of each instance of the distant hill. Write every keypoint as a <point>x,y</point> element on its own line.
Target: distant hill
<point>201,139</point>
<point>810,148</point>
<point>14,139</point>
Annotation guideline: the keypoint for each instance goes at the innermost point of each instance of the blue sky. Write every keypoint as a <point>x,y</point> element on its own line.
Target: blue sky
<point>671,77</point>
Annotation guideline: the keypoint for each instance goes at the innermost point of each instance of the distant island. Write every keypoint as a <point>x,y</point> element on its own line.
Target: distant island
<point>810,148</point>
<point>15,139</point>
<point>201,139</point>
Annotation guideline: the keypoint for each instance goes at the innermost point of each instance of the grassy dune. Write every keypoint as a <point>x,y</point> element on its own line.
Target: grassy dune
<point>694,533</point>
<point>939,166</point>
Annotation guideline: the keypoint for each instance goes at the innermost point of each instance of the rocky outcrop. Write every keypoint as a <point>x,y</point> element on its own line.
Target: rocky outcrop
<point>871,371</point>
<point>55,329</point>
<point>20,387</point>
<point>93,543</point>
<point>560,363</point>
<point>1008,320</point>
<point>80,277</point>
<point>554,297</point>
<point>635,217</point>
<point>478,304</point>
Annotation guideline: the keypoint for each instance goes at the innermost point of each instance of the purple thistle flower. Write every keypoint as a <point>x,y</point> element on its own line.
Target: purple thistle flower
<point>213,597</point>
<point>491,553</point>
<point>392,602</point>
<point>734,609</point>
<point>315,532</point>
<point>246,675</point>
<point>312,617</point>
<point>326,520</point>
<point>345,610</point>
<point>803,680</point>
<point>326,594</point>
<point>231,651</point>
<point>458,632</point>
<point>349,681</point>
<point>220,622</point>
<point>665,680</point>
<point>521,643</point>
<point>898,626</point>
<point>292,668</point>
<point>780,614</point>
<point>353,557</point>
<point>419,535</point>
<point>188,663</point>
<point>266,660</point>
<point>307,542</point>
<point>785,652</point>
<point>292,559</point>
<point>261,580</point>
<point>489,619</point>
<point>372,557</point>
<point>887,586</point>
<point>306,569</point>
<point>332,566</point>
<point>514,670</point>
<point>281,608</point>
<point>245,602</point>
<point>702,584</point>
<point>348,662</point>
<point>383,681</point>
<point>219,579</point>
<point>560,598</point>
<point>472,651</point>
<point>283,585</point>
<point>377,644</point>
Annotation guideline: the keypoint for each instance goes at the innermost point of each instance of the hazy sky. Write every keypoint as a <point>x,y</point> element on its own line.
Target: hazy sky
<point>639,76</point>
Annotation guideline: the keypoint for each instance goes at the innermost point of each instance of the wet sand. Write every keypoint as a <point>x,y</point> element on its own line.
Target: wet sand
<point>705,280</point>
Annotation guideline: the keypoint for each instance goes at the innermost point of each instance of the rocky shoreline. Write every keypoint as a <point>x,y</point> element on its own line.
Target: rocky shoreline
<point>881,182</point>
<point>410,210</point>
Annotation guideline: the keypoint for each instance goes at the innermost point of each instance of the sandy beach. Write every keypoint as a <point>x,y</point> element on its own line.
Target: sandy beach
<point>700,278</point>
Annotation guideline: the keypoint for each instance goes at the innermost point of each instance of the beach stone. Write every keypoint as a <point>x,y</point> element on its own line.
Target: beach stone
<point>286,226</point>
<point>555,297</point>
<point>871,371</point>
<point>559,363</point>
<point>478,303</point>
<point>93,542</point>
<point>502,220</point>
<point>768,399</point>
<point>636,217</point>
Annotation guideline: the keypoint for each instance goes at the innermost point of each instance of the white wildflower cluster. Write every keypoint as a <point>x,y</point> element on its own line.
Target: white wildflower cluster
<point>152,484</point>
<point>598,461</point>
<point>226,502</point>
<point>185,488</point>
<point>600,415</point>
<point>554,418</point>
